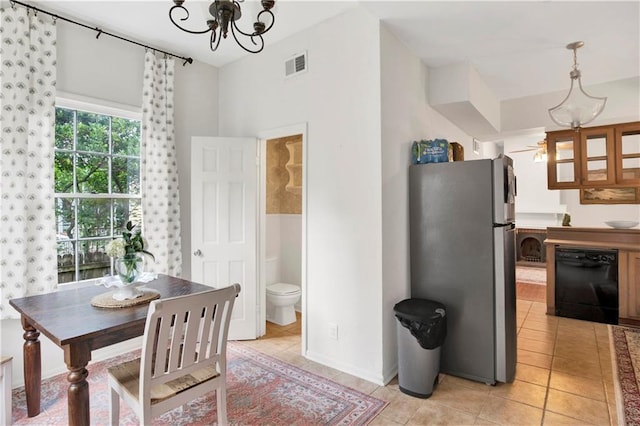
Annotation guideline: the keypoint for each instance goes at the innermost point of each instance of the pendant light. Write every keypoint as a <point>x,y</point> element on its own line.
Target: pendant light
<point>578,108</point>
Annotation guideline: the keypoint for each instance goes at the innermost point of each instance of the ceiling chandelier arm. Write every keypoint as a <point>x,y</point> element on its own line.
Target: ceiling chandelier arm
<point>214,41</point>
<point>252,37</point>
<point>224,14</point>
<point>258,26</point>
<point>186,17</point>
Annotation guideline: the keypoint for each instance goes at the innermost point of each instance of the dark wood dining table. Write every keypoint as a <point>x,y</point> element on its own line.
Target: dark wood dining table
<point>69,320</point>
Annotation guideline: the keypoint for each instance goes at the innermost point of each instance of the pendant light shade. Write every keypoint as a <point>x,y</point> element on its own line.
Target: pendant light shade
<point>578,108</point>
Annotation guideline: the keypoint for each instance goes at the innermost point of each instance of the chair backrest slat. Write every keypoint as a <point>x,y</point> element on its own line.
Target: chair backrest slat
<point>185,333</point>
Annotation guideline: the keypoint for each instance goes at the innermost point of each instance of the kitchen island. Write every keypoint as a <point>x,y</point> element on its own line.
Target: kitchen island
<point>625,241</point>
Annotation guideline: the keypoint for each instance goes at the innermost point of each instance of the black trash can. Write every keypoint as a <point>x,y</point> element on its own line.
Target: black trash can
<point>422,328</point>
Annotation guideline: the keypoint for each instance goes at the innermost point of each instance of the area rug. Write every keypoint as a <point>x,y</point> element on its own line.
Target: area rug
<point>261,390</point>
<point>531,275</point>
<point>625,343</point>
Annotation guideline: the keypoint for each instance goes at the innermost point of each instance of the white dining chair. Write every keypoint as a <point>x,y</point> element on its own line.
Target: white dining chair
<point>183,356</point>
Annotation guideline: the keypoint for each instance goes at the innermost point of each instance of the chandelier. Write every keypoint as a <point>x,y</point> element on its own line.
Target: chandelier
<point>224,15</point>
<point>578,108</point>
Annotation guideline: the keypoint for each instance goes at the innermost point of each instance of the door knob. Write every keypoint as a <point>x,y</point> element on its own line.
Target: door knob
<point>197,253</point>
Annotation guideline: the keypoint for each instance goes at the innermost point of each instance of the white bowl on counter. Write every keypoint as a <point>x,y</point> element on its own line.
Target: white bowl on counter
<point>622,224</point>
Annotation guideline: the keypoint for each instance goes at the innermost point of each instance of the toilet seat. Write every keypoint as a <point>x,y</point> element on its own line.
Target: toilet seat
<point>282,289</point>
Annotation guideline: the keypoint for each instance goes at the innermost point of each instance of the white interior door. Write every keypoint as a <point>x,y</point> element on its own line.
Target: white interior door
<point>224,196</point>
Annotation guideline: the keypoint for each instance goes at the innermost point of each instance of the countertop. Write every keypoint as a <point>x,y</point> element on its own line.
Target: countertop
<point>625,239</point>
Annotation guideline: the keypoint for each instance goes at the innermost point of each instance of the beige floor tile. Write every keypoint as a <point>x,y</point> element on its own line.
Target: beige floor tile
<point>578,351</point>
<point>539,308</point>
<point>507,412</point>
<point>319,369</point>
<point>292,357</point>
<point>579,346</point>
<point>531,374</point>
<point>577,366</point>
<point>551,419</point>
<point>571,339</point>
<point>383,421</point>
<point>577,385</point>
<point>543,317</point>
<point>356,383</point>
<point>459,381</point>
<point>460,398</point>
<point>537,335</point>
<point>484,422</point>
<point>535,345</point>
<point>548,327</point>
<point>520,391</point>
<point>534,358</point>
<point>578,407</point>
<point>386,393</point>
<point>401,409</point>
<point>523,304</point>
<point>436,414</point>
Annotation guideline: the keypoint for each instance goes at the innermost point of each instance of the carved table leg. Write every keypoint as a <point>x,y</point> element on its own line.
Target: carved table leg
<point>77,357</point>
<point>32,367</point>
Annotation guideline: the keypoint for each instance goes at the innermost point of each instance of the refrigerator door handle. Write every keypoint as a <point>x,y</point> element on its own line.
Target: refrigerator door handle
<point>505,301</point>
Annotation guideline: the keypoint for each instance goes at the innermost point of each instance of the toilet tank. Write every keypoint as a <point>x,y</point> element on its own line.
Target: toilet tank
<point>273,270</point>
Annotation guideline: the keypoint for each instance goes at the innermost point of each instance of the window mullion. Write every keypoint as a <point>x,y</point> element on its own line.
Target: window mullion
<point>88,238</point>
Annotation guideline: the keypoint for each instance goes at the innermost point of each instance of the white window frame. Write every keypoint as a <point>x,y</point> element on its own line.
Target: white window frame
<point>103,107</point>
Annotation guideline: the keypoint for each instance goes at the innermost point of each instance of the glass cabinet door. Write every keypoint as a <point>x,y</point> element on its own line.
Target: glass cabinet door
<point>563,153</point>
<point>598,161</point>
<point>628,154</point>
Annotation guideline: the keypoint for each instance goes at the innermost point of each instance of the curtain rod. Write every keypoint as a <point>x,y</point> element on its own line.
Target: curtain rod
<point>100,31</point>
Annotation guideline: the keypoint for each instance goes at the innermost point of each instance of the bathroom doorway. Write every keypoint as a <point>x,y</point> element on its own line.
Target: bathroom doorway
<point>282,254</point>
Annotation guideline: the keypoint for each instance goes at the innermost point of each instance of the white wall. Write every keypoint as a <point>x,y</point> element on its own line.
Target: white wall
<point>284,241</point>
<point>406,116</point>
<point>339,99</point>
<point>111,70</point>
<point>596,214</point>
<point>195,114</point>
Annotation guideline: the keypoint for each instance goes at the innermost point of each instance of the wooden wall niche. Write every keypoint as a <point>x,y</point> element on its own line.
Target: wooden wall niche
<point>284,175</point>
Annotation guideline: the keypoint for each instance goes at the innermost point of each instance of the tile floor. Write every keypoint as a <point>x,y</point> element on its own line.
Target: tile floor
<point>563,376</point>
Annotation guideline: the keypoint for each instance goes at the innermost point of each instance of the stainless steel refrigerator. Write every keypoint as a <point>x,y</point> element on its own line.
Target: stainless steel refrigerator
<point>462,236</point>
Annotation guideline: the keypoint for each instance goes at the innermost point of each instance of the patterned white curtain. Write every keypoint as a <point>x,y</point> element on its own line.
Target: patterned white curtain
<point>160,200</point>
<point>28,261</point>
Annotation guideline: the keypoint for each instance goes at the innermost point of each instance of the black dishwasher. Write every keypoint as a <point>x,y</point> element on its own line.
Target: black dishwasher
<point>587,284</point>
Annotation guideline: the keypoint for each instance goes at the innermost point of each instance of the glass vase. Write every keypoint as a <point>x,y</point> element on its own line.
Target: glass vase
<point>129,267</point>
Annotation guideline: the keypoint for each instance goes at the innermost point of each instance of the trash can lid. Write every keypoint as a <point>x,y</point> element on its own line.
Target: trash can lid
<point>419,309</point>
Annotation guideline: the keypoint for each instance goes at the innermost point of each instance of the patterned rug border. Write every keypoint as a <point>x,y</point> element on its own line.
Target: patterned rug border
<point>627,393</point>
<point>368,407</point>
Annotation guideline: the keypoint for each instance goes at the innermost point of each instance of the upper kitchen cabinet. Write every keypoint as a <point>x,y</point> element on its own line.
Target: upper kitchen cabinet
<point>597,156</point>
<point>628,154</point>
<point>563,154</point>
<point>602,156</point>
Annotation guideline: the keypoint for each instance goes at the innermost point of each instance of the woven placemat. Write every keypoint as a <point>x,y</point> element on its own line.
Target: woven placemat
<point>106,300</point>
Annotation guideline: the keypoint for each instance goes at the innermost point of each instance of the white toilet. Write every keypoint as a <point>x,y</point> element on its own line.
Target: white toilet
<point>281,297</point>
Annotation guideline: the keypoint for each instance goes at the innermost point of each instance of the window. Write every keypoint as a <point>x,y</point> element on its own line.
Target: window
<point>97,185</point>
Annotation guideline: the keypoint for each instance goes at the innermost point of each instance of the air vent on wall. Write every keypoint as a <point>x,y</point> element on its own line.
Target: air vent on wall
<point>296,64</point>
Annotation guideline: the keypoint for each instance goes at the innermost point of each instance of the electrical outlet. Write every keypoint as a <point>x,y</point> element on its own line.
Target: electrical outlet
<point>333,331</point>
